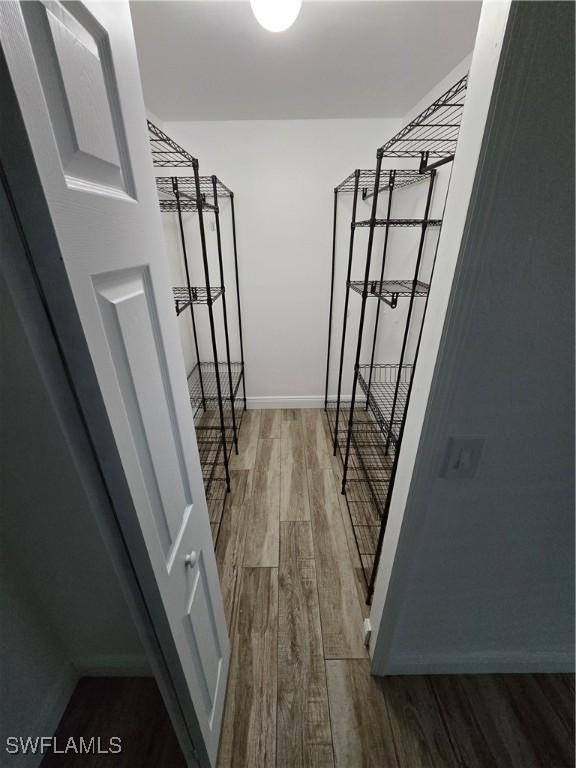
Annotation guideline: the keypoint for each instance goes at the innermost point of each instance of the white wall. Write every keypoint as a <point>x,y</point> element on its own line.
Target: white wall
<point>283,174</point>
<point>477,575</point>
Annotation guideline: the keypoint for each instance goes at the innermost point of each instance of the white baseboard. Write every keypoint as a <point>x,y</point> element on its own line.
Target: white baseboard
<point>300,401</point>
<point>297,401</point>
<point>480,663</point>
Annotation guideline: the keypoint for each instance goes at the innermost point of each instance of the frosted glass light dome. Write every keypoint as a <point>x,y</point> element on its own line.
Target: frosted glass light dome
<point>276,15</point>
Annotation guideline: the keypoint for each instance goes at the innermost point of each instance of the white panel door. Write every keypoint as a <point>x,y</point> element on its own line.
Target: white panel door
<point>75,74</point>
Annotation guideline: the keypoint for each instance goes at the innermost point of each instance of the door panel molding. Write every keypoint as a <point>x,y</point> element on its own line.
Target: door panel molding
<point>74,62</point>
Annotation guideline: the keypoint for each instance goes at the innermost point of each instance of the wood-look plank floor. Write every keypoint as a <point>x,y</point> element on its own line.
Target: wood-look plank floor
<point>129,708</point>
<point>262,540</point>
<point>249,727</point>
<point>300,693</point>
<point>247,441</point>
<point>294,503</point>
<point>339,604</point>
<point>304,737</point>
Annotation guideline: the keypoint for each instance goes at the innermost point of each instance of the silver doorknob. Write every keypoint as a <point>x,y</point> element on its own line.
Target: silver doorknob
<point>191,559</point>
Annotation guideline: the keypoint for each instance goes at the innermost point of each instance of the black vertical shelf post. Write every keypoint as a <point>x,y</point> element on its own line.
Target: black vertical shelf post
<point>346,301</point>
<point>362,315</point>
<point>384,250</point>
<point>199,203</point>
<point>331,296</point>
<point>410,308</point>
<point>185,257</point>
<point>224,311</point>
<point>238,296</point>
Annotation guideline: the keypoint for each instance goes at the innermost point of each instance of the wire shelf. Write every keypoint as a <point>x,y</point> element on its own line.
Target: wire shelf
<point>186,194</point>
<point>166,153</point>
<point>399,223</point>
<point>209,440</point>
<point>187,186</point>
<point>402,178</point>
<point>389,291</point>
<point>435,130</point>
<point>368,462</point>
<point>395,179</point>
<point>210,452</point>
<point>186,206</point>
<point>216,499</point>
<point>369,473</point>
<point>379,391</point>
<point>199,295</point>
<point>209,385</point>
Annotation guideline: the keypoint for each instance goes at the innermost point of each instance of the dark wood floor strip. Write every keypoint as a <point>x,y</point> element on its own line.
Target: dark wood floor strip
<point>472,746</point>
<point>420,736</point>
<point>541,726</point>
<point>553,688</point>
<point>127,707</point>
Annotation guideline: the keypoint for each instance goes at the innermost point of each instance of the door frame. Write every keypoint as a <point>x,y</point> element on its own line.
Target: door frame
<point>47,310</point>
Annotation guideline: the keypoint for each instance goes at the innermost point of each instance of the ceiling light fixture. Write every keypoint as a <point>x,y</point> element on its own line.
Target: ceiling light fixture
<point>276,15</point>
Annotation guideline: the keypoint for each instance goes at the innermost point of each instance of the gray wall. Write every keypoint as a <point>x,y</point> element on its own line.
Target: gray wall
<point>483,578</point>
<point>36,674</point>
<point>62,609</point>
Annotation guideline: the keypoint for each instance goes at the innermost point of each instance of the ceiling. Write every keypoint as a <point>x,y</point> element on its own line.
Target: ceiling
<point>212,60</point>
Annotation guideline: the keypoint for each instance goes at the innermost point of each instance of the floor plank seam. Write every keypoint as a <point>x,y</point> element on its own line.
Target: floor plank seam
<point>314,550</point>
<point>444,722</point>
<point>394,744</point>
<point>337,483</point>
<point>330,715</point>
<point>277,651</point>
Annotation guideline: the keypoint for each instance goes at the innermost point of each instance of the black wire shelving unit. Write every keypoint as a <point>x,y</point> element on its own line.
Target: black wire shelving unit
<point>366,428</point>
<point>398,223</point>
<point>385,387</point>
<point>433,135</point>
<point>213,386</point>
<point>196,295</point>
<point>389,291</point>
